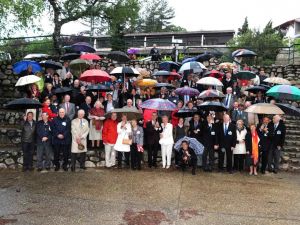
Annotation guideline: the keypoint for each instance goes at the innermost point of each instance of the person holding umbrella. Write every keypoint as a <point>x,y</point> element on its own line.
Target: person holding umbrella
<point>187,157</point>
<point>166,141</point>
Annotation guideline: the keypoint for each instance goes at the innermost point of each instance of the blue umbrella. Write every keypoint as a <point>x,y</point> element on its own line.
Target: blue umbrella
<point>24,64</point>
<point>193,144</point>
<point>169,66</point>
<point>82,47</point>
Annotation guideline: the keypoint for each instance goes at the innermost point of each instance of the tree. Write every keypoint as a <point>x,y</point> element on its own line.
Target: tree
<point>245,27</point>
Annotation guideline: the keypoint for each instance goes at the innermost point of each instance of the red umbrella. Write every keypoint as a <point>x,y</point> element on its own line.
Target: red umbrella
<point>96,76</point>
<point>90,56</point>
<point>168,74</point>
<point>214,73</point>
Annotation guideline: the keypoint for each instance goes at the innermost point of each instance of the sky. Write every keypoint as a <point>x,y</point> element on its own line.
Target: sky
<point>197,15</point>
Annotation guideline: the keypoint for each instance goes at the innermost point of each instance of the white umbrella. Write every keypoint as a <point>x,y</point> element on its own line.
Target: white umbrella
<point>210,81</point>
<point>29,79</point>
<point>194,66</point>
<point>277,80</point>
<point>264,108</point>
<point>36,56</point>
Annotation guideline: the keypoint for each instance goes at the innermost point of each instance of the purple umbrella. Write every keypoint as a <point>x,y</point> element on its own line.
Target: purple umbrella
<point>132,51</point>
<point>158,104</point>
<point>187,91</point>
<point>82,47</point>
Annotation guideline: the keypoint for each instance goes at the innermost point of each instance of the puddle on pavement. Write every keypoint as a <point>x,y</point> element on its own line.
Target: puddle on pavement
<point>146,217</point>
<point>7,221</point>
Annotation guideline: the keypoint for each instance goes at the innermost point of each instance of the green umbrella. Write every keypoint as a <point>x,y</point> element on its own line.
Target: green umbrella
<point>284,92</point>
<point>79,65</point>
<point>245,75</point>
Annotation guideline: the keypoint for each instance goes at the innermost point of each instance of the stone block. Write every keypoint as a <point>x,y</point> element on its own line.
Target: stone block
<point>89,164</point>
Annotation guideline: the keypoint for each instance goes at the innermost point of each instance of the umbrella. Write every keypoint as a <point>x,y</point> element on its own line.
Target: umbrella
<point>95,76</point>
<point>24,64</point>
<point>146,82</point>
<point>90,56</point>
<point>118,56</point>
<point>29,79</point>
<point>170,75</point>
<point>24,103</point>
<point>211,94</point>
<point>158,104</point>
<point>70,56</point>
<point>132,113</point>
<point>169,66</point>
<point>82,47</point>
<point>62,90</point>
<point>132,51</point>
<point>193,67</point>
<point>285,92</point>
<point>243,53</point>
<point>276,80</point>
<point>98,88</point>
<point>193,144</point>
<point>79,64</point>
<point>166,85</point>
<point>256,89</point>
<point>210,81</point>
<point>212,106</point>
<point>264,108</point>
<point>51,64</point>
<point>245,75</point>
<point>125,71</point>
<point>37,56</point>
<point>214,73</point>
<point>226,66</point>
<point>289,109</point>
<point>187,91</point>
<point>186,112</point>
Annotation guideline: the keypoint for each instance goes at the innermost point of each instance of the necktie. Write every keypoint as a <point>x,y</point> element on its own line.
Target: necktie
<point>225,129</point>
<point>275,126</point>
<point>67,107</point>
<point>133,99</point>
<point>227,100</point>
<point>81,124</point>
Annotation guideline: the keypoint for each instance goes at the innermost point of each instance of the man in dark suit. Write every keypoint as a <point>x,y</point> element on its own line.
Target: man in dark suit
<point>229,98</point>
<point>109,104</point>
<point>86,106</point>
<point>239,114</point>
<point>227,142</point>
<point>68,107</point>
<point>188,82</point>
<point>278,136</point>
<point>227,81</point>
<point>153,130</point>
<point>133,96</point>
<point>209,140</point>
<point>195,128</point>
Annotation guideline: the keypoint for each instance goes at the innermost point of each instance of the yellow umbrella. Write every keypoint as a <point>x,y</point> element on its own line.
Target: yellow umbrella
<point>146,83</point>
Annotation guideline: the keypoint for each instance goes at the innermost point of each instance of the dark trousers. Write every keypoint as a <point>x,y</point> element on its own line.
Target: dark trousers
<point>136,157</point>
<point>221,155</point>
<point>273,158</point>
<point>44,149</point>
<point>264,160</point>
<point>152,154</point>
<point>192,162</point>
<point>238,162</point>
<point>28,149</point>
<point>80,156</point>
<point>120,156</point>
<point>65,149</point>
<point>208,152</point>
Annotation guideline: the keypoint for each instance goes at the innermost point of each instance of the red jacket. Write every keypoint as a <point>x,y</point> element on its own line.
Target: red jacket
<point>47,109</point>
<point>109,132</point>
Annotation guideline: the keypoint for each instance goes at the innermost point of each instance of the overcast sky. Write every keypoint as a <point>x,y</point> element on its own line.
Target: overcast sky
<point>219,14</point>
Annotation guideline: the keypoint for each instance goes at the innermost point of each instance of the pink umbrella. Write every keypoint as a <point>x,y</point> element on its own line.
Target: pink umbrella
<point>90,56</point>
<point>96,76</point>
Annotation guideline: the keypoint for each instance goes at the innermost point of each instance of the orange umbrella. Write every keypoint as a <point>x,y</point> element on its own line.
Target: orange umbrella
<point>146,83</point>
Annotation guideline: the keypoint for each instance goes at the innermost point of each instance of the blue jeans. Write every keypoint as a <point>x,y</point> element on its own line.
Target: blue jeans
<point>44,148</point>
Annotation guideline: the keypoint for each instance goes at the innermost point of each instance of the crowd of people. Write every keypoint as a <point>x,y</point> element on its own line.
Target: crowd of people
<point>79,120</point>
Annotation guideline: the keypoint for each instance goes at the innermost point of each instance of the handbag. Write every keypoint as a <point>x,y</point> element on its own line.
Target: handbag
<point>81,147</point>
<point>126,141</point>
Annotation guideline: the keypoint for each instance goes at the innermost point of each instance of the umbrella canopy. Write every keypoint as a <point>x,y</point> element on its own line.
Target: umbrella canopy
<point>95,76</point>
<point>264,108</point>
<point>212,106</point>
<point>210,81</point>
<point>24,103</point>
<point>245,75</point>
<point>187,91</point>
<point>193,144</point>
<point>158,104</point>
<point>82,47</point>
<point>256,89</point>
<point>118,56</point>
<point>289,109</point>
<point>79,64</point>
<point>125,71</point>
<point>211,94</point>
<point>285,92</point>
<point>277,80</point>
<point>24,64</point>
<point>37,56</point>
<point>51,64</point>
<point>214,73</point>
<point>169,74</point>
<point>146,83</point>
<point>226,66</point>
<point>29,79</point>
<point>199,58</point>
<point>62,90</point>
<point>132,51</point>
<point>186,112</point>
<point>243,53</point>
<point>70,56</point>
<point>90,56</point>
<point>166,85</point>
<point>131,113</point>
<point>193,67</point>
<point>98,87</point>
<point>169,66</point>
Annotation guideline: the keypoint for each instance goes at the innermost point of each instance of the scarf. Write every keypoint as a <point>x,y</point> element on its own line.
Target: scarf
<point>255,141</point>
<point>97,112</point>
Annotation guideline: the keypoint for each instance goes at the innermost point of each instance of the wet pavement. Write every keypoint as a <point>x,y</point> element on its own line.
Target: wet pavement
<point>147,197</point>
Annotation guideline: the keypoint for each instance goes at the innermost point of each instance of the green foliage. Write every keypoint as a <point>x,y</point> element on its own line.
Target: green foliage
<point>297,44</point>
<point>245,27</point>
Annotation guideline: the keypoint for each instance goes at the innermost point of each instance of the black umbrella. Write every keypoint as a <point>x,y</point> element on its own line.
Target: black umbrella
<point>70,56</point>
<point>169,66</point>
<point>24,103</point>
<point>51,64</point>
<point>98,88</point>
<point>245,75</point>
<point>186,112</point>
<point>212,106</point>
<point>289,109</point>
<point>125,71</point>
<point>166,85</point>
<point>204,57</point>
<point>256,89</point>
<point>118,56</point>
<point>83,47</point>
<point>62,90</point>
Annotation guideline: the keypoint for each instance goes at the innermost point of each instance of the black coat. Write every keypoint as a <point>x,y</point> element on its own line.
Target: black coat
<point>43,130</point>
<point>210,135</point>
<point>152,135</point>
<point>115,105</point>
<point>61,126</point>
<point>265,137</point>
<point>227,140</point>
<point>278,134</point>
<point>198,128</point>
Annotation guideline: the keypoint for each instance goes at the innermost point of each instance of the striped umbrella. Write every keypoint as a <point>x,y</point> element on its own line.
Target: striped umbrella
<point>193,67</point>
<point>159,104</point>
<point>284,92</point>
<point>187,91</point>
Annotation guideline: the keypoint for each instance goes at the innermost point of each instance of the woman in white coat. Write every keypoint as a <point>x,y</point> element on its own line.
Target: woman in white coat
<point>80,131</point>
<point>166,141</point>
<point>123,141</point>
<point>239,151</point>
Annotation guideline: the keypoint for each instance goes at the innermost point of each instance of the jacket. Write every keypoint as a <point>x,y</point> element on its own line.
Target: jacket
<point>152,133</point>
<point>195,132</point>
<point>227,140</point>
<point>43,130</point>
<point>71,111</point>
<point>166,134</point>
<point>109,132</point>
<point>138,136</point>
<point>210,134</point>
<point>61,126</point>
<point>48,110</point>
<point>123,133</point>
<point>28,132</point>
<point>278,134</point>
<point>79,129</point>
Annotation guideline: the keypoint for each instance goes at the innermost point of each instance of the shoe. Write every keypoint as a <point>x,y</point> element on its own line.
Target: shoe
<point>139,168</point>
<point>263,172</point>
<point>167,167</point>
<point>230,172</point>
<point>73,169</point>
<point>250,173</point>
<point>83,167</point>
<point>48,168</point>
<point>193,172</point>
<point>255,174</point>
<point>275,171</point>
<point>56,168</point>
<point>24,169</point>
<point>31,169</point>
<point>155,165</point>
<point>65,168</point>
<point>39,169</point>
<point>164,167</point>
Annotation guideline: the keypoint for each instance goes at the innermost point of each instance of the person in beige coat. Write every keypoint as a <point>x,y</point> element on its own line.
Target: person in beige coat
<point>80,131</point>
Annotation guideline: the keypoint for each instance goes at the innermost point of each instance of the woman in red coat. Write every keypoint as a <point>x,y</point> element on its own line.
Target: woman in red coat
<point>46,108</point>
